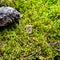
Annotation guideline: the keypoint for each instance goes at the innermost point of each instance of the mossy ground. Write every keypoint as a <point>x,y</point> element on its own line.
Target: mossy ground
<point>44,42</point>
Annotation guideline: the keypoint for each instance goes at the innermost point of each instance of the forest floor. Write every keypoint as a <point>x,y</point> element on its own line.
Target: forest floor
<point>42,41</point>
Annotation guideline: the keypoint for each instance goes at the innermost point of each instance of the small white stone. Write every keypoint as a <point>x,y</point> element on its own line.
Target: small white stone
<point>29,29</point>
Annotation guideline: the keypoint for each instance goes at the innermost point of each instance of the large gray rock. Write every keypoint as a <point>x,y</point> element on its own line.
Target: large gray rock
<point>8,15</point>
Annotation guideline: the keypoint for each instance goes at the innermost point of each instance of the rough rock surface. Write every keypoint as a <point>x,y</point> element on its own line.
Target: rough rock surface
<point>8,15</point>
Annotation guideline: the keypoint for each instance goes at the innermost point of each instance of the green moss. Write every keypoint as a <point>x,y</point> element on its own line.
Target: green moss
<point>43,42</point>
